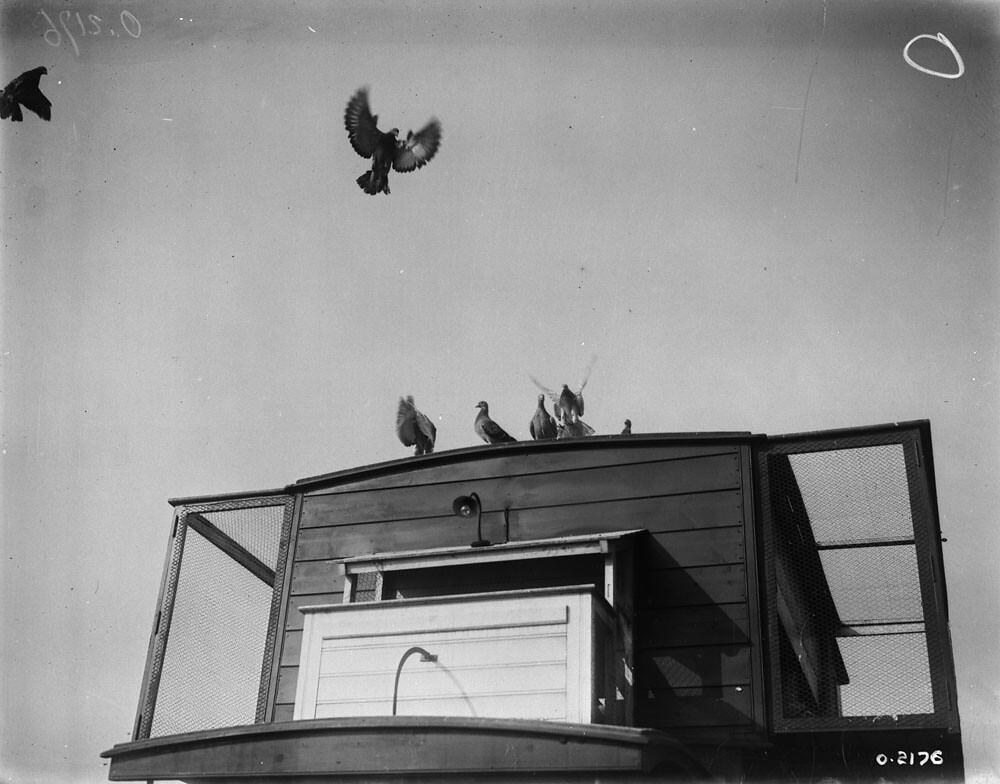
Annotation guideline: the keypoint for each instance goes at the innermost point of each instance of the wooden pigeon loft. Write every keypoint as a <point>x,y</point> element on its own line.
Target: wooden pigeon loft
<point>635,608</point>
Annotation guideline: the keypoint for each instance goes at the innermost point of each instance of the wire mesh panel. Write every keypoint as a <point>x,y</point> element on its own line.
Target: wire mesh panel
<point>367,587</point>
<point>211,650</point>
<point>855,615</point>
<point>255,528</point>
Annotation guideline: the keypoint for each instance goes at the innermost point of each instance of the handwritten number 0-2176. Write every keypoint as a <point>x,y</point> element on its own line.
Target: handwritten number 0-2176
<point>918,758</point>
<point>130,24</point>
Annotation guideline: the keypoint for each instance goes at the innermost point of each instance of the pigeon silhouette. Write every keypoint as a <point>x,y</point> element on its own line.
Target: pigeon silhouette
<point>542,424</point>
<point>414,428</point>
<point>386,149</point>
<point>24,91</point>
<point>627,430</point>
<point>574,429</point>
<point>567,405</point>
<point>487,429</point>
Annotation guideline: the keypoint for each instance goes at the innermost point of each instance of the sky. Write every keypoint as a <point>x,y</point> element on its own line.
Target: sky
<point>750,216</point>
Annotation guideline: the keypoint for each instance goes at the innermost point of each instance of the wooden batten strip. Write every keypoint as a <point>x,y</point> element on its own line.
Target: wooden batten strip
<point>232,548</point>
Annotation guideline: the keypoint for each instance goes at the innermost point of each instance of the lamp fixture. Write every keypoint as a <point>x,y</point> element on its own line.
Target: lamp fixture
<point>465,506</point>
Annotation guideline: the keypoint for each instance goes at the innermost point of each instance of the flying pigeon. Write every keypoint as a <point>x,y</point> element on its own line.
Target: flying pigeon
<point>627,430</point>
<point>577,429</point>
<point>414,428</point>
<point>487,429</point>
<point>567,405</point>
<point>542,424</point>
<point>386,149</point>
<point>24,91</point>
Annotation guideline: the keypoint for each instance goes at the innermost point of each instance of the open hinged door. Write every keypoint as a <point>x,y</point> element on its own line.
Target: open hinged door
<point>209,660</point>
<point>856,611</point>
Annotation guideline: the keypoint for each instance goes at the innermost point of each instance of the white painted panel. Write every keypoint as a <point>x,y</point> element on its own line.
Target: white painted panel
<point>520,663</point>
<point>488,646</point>
<point>546,707</point>
<point>433,680</point>
<point>524,654</point>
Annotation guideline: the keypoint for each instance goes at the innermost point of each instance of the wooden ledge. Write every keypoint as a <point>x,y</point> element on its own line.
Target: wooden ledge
<point>401,748</point>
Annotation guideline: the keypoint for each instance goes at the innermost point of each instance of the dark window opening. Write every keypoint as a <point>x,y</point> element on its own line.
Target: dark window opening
<point>499,576</point>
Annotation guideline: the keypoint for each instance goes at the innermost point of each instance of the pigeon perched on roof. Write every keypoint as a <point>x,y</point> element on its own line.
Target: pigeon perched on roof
<point>24,91</point>
<point>542,424</point>
<point>627,430</point>
<point>414,428</point>
<point>567,405</point>
<point>386,149</point>
<point>487,429</point>
<point>576,429</point>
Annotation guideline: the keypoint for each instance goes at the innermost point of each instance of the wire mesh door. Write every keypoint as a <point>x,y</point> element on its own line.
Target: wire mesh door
<point>212,644</point>
<point>857,624</point>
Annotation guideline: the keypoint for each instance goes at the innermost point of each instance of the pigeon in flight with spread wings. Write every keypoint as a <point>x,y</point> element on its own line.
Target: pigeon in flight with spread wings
<point>567,405</point>
<point>542,424</point>
<point>414,428</point>
<point>386,150</point>
<point>24,91</point>
<point>487,429</point>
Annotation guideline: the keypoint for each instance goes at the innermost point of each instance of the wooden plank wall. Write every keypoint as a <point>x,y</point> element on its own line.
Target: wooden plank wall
<point>693,602</point>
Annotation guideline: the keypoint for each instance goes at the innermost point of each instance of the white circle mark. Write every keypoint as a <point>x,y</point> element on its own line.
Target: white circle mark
<point>940,38</point>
